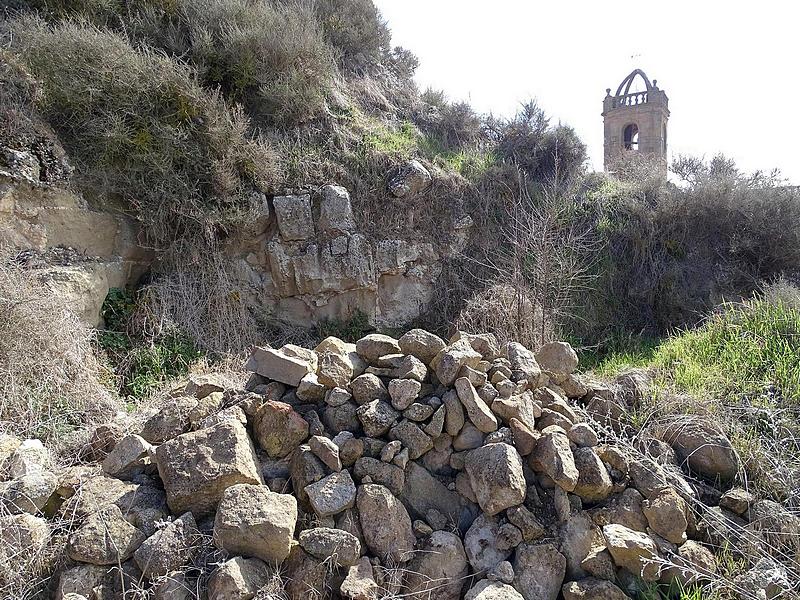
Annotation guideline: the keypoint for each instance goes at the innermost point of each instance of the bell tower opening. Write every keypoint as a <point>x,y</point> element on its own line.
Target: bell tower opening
<point>635,120</point>
<point>630,137</point>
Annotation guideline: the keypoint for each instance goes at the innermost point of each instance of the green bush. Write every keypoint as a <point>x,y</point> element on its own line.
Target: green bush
<point>540,150</point>
<point>143,130</point>
<point>672,253</point>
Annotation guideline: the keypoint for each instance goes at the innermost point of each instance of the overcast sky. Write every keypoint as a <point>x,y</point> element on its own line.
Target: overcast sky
<point>731,69</point>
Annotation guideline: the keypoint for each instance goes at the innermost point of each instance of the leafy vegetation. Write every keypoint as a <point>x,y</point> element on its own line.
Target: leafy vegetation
<point>141,364</point>
<point>351,329</point>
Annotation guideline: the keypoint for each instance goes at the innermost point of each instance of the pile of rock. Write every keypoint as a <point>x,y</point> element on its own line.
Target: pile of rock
<point>388,467</point>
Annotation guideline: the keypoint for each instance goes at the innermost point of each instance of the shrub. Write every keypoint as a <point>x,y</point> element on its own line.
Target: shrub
<point>541,151</point>
<point>672,253</point>
<point>355,29</point>
<point>147,133</point>
<point>50,379</point>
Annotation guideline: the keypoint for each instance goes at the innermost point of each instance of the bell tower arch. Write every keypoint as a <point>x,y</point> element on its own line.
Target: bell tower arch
<point>635,119</point>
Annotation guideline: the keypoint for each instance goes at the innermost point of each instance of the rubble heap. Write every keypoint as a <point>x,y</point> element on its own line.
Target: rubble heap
<point>389,467</point>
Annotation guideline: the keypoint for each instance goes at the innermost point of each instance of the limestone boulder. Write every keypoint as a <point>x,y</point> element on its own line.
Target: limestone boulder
<point>493,590</point>
<point>373,346</point>
<point>524,520</point>
<point>335,211</point>
<point>130,457</point>
<point>277,365</point>
<point>454,413</point>
<point>293,213</point>
<point>254,521</point>
<point>495,474</point>
<point>440,567</point>
<point>105,538</point>
<point>409,179</point>
<point>385,523</point>
<point>384,473</point>
<point>335,370</point>
<point>448,361</point>
<point>524,365</point>
<point>553,456</point>
<point>368,387</point>
<point>340,547</point>
<point>403,392</point>
<point>327,451</point>
<point>332,494</point>
<point>238,579</point>
<point>539,571</point>
<point>360,582</point>
<point>703,447</point>
<point>170,548</point>
<point>633,551</point>
<point>28,457</point>
<point>594,482</point>
<point>29,493</point>
<point>558,358</point>
<point>413,438</point>
<point>666,514</point>
<point>170,421</point>
<point>592,589</point>
<point>482,544</point>
<point>279,429</point>
<point>22,534</point>
<point>422,344</point>
<point>304,576</point>
<point>196,468</point>
<point>478,412</point>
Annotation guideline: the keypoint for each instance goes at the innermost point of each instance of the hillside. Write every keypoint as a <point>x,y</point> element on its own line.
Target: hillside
<point>275,323</point>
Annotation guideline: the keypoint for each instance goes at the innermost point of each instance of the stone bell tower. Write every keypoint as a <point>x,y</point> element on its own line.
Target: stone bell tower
<point>635,121</point>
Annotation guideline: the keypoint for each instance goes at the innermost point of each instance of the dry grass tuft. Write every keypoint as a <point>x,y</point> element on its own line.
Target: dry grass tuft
<point>50,379</point>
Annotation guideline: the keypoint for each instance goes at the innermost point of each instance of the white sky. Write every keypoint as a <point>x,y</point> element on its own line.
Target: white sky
<point>731,69</point>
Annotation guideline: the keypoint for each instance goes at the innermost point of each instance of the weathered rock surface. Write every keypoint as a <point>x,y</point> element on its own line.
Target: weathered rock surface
<point>198,467</point>
<point>106,538</point>
<point>277,366</point>
<point>633,551</point>
<point>238,579</point>
<point>440,567</point>
<point>341,547</point>
<point>495,473</point>
<point>169,548</point>
<point>481,544</point>
<point>702,447</point>
<point>254,521</point>
<point>385,523</point>
<point>539,571</point>
<point>332,494</point>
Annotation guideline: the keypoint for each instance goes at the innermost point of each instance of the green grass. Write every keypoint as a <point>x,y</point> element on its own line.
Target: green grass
<point>402,142</point>
<point>742,350</point>
<point>621,350</point>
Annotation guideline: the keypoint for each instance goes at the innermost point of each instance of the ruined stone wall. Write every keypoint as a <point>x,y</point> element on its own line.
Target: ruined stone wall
<point>305,260</point>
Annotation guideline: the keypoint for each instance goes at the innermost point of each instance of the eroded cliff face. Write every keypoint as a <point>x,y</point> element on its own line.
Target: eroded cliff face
<point>306,261</point>
<point>81,252</point>
<point>303,259</point>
